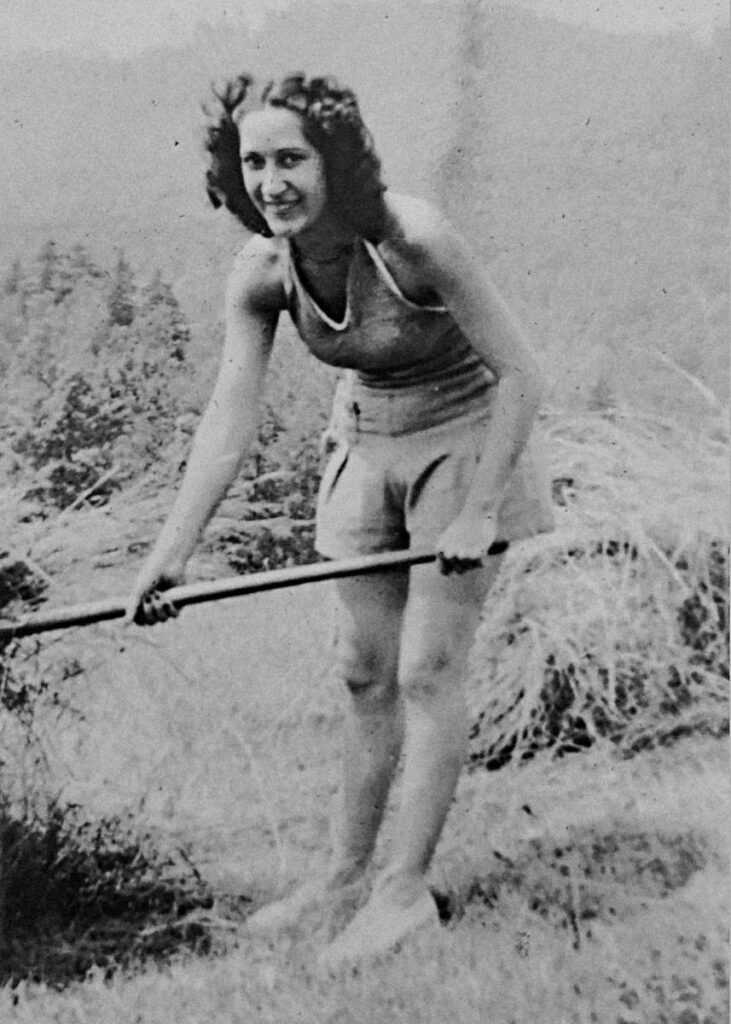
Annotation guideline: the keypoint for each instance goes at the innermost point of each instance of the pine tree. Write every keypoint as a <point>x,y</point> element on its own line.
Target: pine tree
<point>14,279</point>
<point>47,264</point>
<point>120,302</point>
<point>81,263</point>
<point>168,328</point>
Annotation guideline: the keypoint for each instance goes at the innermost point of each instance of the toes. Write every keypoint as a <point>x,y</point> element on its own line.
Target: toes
<point>378,928</point>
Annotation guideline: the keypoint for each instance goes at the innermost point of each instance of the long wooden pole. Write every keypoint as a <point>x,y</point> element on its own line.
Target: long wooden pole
<point>215,590</point>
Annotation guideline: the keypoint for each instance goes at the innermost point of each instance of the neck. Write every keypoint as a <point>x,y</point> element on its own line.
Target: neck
<point>324,243</point>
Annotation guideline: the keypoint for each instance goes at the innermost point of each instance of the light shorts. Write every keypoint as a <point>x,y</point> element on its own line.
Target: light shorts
<point>386,493</point>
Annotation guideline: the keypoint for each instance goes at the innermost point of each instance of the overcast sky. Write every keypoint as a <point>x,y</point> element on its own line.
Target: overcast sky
<point>124,27</point>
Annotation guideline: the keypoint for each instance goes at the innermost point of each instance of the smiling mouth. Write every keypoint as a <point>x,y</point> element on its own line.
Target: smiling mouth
<point>281,208</point>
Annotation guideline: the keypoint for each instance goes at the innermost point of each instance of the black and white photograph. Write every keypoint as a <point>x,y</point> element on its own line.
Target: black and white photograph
<point>364,512</point>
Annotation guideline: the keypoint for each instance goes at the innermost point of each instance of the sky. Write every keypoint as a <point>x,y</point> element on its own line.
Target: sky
<point>122,28</point>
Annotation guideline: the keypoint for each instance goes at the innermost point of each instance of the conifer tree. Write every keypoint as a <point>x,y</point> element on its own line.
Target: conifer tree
<point>47,263</point>
<point>14,279</point>
<point>121,295</point>
<point>165,320</point>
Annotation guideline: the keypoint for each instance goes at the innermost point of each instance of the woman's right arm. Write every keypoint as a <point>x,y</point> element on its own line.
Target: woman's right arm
<point>225,434</point>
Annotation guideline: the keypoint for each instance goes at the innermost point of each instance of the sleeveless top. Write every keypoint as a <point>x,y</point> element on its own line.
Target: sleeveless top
<point>414,368</point>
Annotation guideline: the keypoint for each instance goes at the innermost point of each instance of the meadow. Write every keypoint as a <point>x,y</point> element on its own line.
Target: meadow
<point>158,785</point>
<point>584,861</point>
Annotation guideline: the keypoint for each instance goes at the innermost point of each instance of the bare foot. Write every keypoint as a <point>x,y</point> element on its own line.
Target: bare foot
<point>330,892</point>
<point>397,908</point>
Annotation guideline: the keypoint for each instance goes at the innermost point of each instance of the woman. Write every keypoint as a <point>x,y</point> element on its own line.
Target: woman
<point>442,397</point>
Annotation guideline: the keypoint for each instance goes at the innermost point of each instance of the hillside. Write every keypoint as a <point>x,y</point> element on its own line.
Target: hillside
<point>590,169</point>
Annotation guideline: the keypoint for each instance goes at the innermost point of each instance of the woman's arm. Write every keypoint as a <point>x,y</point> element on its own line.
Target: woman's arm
<point>486,321</point>
<point>224,435</point>
<point>455,273</point>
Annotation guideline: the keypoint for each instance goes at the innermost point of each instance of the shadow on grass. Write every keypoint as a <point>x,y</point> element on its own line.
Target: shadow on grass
<point>589,877</point>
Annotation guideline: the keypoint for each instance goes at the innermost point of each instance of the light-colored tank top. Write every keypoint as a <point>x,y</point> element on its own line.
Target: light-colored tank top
<point>414,368</point>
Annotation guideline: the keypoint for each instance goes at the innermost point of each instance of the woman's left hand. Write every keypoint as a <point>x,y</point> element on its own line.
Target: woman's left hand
<point>467,540</point>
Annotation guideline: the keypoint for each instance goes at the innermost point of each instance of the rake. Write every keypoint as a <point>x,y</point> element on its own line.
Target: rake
<point>215,590</point>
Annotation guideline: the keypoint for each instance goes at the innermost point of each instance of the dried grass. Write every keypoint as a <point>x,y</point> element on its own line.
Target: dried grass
<point>615,625</point>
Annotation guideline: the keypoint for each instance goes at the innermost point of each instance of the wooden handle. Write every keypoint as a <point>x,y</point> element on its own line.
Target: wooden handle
<point>215,590</point>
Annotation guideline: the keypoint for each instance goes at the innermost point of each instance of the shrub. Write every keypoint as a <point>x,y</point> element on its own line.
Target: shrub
<point>100,367</point>
<point>259,550</point>
<point>77,895</point>
<point>73,443</point>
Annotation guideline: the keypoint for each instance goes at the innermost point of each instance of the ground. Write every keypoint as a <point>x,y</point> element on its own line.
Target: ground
<point>591,888</point>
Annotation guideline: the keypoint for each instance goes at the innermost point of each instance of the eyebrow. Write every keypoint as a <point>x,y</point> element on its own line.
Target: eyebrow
<point>294,148</point>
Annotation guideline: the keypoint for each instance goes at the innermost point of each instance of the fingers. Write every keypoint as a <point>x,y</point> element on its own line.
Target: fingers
<point>457,563</point>
<point>464,562</point>
<point>151,608</point>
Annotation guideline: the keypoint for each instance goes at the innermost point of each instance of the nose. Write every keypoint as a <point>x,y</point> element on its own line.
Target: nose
<point>273,184</point>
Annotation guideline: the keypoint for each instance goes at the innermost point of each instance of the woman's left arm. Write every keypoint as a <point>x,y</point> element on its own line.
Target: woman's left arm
<point>458,277</point>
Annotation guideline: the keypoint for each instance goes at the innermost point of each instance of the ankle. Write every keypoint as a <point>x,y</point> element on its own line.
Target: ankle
<point>401,884</point>
<point>344,872</point>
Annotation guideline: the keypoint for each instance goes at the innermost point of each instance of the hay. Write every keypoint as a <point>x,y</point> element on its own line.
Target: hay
<point>613,627</point>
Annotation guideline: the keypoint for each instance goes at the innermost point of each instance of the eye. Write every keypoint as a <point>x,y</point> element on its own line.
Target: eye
<point>288,160</point>
<point>253,161</point>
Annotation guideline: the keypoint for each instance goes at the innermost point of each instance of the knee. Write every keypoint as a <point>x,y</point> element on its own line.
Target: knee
<point>365,673</point>
<point>430,676</point>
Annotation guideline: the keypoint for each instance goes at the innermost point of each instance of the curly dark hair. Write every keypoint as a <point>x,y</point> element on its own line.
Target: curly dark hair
<point>332,123</point>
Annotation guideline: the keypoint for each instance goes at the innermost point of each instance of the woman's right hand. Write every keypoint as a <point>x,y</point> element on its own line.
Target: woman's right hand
<point>147,603</point>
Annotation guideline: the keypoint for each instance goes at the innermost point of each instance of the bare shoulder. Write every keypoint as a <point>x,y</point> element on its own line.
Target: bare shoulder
<point>421,246</point>
<point>415,224</point>
<point>256,281</point>
<point>422,238</point>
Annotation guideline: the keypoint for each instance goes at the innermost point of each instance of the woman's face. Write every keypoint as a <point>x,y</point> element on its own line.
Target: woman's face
<point>284,174</point>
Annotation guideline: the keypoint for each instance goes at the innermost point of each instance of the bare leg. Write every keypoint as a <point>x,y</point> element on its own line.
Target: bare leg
<point>369,627</point>
<point>367,652</point>
<point>439,625</point>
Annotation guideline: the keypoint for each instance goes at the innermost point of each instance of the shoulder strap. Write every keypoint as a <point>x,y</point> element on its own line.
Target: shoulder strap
<point>293,284</point>
<point>390,282</point>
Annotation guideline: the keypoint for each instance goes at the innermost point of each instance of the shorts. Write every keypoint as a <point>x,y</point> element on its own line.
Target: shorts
<point>388,493</point>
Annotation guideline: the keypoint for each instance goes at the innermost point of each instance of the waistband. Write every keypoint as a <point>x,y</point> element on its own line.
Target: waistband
<point>412,408</point>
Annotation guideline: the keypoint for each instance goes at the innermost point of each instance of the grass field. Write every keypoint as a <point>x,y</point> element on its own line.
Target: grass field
<point>576,888</point>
